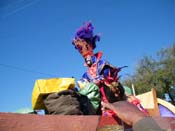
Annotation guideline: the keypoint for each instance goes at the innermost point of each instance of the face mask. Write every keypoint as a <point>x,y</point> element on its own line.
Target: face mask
<point>88,60</point>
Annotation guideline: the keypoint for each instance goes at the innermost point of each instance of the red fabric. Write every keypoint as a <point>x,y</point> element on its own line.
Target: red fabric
<point>97,55</point>
<point>104,99</point>
<point>92,70</point>
<point>108,120</point>
<point>136,102</point>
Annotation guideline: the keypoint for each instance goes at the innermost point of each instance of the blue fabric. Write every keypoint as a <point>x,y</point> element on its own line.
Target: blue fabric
<point>165,112</point>
<point>101,72</point>
<point>103,69</point>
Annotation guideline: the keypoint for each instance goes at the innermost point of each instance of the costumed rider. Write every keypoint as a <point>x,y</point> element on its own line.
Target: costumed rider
<point>99,72</point>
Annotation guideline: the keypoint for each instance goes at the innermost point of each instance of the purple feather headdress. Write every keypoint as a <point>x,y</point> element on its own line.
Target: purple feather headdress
<point>86,33</point>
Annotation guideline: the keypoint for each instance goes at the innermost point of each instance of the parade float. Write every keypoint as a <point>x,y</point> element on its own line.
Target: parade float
<point>45,122</point>
<point>76,105</point>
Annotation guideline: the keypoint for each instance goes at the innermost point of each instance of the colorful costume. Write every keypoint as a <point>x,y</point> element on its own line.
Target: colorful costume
<point>99,71</point>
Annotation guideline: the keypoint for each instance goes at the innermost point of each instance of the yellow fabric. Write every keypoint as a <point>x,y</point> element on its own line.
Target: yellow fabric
<point>46,86</point>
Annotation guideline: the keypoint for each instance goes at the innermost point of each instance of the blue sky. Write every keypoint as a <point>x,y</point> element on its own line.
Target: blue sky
<point>36,35</point>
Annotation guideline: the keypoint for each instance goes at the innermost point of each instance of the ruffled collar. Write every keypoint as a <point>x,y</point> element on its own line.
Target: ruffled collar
<point>95,58</point>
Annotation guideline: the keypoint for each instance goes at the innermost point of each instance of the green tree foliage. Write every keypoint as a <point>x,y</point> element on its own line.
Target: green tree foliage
<point>158,72</point>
